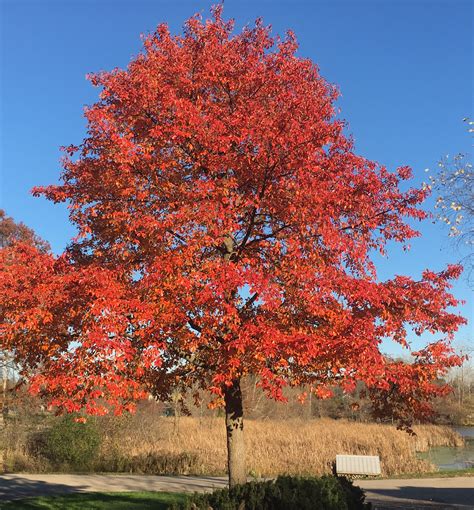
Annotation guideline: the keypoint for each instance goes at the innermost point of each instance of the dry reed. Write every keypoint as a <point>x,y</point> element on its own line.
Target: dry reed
<point>298,447</point>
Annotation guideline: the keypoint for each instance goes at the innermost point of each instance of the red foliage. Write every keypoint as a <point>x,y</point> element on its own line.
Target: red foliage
<point>226,228</point>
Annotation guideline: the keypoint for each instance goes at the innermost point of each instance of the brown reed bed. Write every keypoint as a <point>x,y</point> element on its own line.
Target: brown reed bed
<point>299,447</point>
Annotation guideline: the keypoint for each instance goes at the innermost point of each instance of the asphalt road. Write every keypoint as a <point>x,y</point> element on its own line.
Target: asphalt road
<point>415,494</point>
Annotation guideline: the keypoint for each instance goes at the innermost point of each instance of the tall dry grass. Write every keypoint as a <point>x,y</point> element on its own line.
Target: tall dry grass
<point>299,447</point>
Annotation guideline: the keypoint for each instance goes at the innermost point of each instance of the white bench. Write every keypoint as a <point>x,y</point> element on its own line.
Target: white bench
<point>358,465</point>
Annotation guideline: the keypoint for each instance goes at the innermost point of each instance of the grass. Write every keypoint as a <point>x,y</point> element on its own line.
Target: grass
<point>99,501</point>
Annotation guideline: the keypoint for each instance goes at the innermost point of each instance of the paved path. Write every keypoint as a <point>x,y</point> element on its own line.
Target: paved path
<point>421,493</point>
<point>414,494</point>
<point>15,486</point>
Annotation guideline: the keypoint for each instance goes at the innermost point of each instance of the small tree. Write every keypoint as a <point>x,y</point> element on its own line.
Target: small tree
<point>225,228</point>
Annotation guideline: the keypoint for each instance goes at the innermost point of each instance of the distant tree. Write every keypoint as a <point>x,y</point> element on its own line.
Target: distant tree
<point>12,232</point>
<point>226,228</point>
<point>453,185</point>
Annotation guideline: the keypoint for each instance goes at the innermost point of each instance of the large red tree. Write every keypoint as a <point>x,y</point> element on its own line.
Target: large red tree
<point>226,228</point>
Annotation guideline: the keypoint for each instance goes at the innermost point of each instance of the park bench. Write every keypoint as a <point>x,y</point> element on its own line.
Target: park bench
<point>356,466</point>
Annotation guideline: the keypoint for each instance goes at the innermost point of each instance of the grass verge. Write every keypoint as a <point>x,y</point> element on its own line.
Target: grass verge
<point>435,474</point>
<point>98,501</point>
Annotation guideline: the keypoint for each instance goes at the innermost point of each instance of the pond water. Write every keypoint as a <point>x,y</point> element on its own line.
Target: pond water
<point>448,458</point>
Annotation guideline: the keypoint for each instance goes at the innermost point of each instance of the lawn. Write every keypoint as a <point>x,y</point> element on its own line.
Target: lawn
<point>98,501</point>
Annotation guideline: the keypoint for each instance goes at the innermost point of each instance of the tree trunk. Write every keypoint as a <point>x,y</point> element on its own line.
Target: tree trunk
<point>235,434</point>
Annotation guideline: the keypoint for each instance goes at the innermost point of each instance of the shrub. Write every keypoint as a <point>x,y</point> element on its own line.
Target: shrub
<point>355,496</point>
<point>72,444</point>
<point>284,493</point>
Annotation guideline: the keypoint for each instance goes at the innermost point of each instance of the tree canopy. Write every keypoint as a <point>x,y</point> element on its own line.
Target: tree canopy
<point>226,227</point>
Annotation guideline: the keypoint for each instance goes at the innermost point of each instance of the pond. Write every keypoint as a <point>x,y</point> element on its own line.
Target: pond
<point>449,458</point>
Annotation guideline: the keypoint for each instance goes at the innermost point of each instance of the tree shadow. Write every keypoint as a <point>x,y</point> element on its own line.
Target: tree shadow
<point>445,498</point>
<point>18,488</point>
<point>84,500</point>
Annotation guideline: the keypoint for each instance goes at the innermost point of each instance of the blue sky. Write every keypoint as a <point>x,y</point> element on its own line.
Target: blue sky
<point>404,69</point>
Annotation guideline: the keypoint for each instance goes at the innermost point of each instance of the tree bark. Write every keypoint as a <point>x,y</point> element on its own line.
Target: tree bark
<point>236,463</point>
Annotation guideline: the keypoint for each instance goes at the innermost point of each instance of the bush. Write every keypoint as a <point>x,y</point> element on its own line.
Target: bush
<point>355,496</point>
<point>284,493</point>
<point>72,444</point>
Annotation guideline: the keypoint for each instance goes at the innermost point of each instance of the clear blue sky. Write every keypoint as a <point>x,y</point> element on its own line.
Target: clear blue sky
<point>404,69</point>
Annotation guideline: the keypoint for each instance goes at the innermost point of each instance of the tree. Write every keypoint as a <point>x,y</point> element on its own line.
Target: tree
<point>226,228</point>
<point>453,185</point>
<point>10,233</point>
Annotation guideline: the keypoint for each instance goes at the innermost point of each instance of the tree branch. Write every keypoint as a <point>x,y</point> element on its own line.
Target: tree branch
<point>194,326</point>
<point>250,301</point>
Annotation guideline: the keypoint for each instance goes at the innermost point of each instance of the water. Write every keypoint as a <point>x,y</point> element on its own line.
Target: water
<point>466,432</point>
<point>449,458</point>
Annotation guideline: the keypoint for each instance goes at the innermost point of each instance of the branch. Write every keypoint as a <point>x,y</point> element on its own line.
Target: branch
<point>250,301</point>
<point>268,236</point>
<point>178,236</point>
<point>194,326</point>
<point>249,230</point>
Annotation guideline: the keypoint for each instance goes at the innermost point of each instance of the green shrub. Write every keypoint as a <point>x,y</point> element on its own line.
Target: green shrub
<point>72,444</point>
<point>355,496</point>
<point>284,493</point>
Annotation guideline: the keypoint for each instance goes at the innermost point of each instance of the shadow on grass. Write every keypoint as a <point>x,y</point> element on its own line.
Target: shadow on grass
<point>98,501</point>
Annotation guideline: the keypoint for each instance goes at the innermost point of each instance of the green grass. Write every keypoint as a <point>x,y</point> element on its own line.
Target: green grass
<point>436,474</point>
<point>98,501</point>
